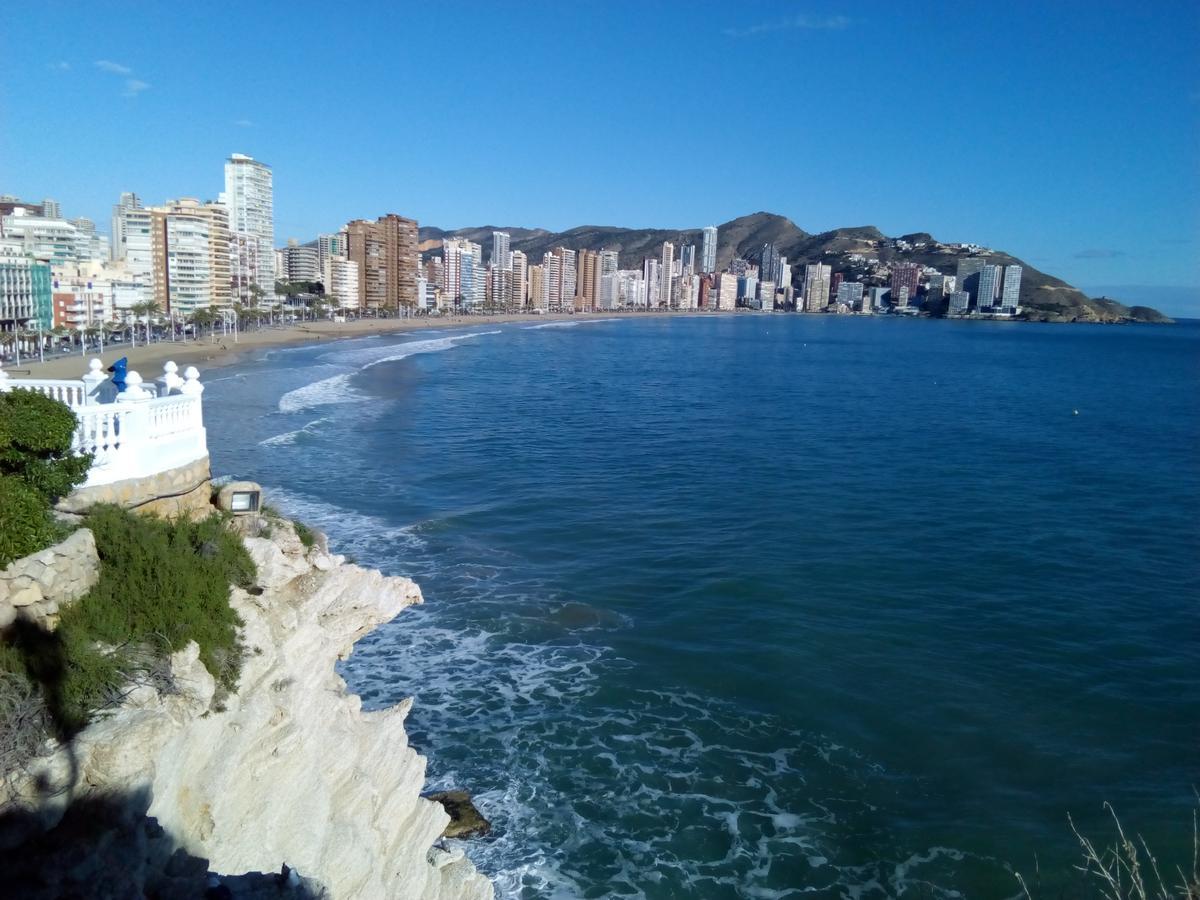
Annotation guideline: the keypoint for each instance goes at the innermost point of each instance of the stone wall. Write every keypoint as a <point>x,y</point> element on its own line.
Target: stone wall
<point>38,586</point>
<point>183,491</point>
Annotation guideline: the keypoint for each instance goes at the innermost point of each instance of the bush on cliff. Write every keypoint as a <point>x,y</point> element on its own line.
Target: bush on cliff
<point>162,584</point>
<point>26,524</point>
<point>35,444</point>
<point>36,468</point>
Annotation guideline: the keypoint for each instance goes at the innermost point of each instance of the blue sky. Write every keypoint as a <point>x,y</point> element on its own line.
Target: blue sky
<point>1066,133</point>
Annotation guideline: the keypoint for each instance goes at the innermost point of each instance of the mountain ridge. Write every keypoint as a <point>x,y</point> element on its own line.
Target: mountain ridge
<point>1043,296</point>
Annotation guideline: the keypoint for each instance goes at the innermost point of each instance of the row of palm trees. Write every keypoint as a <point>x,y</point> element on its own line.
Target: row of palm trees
<point>147,322</point>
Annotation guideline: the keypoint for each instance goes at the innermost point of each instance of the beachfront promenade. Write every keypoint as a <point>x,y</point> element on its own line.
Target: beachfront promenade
<point>142,430</point>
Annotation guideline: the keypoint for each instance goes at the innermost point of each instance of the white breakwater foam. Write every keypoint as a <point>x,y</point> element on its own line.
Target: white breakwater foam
<point>596,786</point>
<point>337,388</point>
<point>567,324</point>
<point>289,437</point>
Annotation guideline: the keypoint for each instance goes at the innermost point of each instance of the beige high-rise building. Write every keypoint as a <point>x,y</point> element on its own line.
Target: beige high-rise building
<point>816,287</point>
<point>190,256</point>
<point>387,257</point>
<point>535,292</point>
<point>588,279</point>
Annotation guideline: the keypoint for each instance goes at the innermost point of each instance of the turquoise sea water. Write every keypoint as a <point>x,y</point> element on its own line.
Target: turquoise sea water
<point>758,606</point>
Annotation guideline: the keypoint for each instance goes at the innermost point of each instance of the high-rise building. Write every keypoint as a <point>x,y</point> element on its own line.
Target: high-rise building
<point>128,201</point>
<point>906,278</point>
<point>687,258</point>
<point>1010,293</point>
<point>340,277</point>
<point>588,278</point>
<point>520,279</point>
<point>850,294</point>
<point>610,287</point>
<point>989,287</point>
<point>727,291</point>
<point>25,290</point>
<point>559,279</point>
<point>768,263</point>
<point>500,251</point>
<point>330,245</point>
<point>666,266</point>
<point>967,275</point>
<point>463,272</point>
<point>51,209</point>
<point>835,282</point>
<point>190,256</point>
<point>960,302</point>
<point>302,262</point>
<point>387,257</point>
<point>250,196</point>
<point>535,294</point>
<point>42,237</point>
<point>650,280</point>
<point>816,287</point>
<point>708,250</point>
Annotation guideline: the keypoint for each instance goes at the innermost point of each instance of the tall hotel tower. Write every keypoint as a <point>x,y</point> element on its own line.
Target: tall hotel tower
<point>250,197</point>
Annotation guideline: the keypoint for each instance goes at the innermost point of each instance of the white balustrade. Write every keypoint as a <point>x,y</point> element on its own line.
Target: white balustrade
<point>134,433</point>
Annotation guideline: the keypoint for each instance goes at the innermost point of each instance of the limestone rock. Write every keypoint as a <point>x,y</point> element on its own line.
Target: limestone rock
<point>286,771</point>
<point>465,820</point>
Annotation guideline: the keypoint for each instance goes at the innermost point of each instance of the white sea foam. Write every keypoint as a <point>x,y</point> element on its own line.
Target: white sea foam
<point>337,388</point>
<point>289,437</point>
<point>570,324</point>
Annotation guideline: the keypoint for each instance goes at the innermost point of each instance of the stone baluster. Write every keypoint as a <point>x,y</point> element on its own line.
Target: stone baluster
<point>169,382</point>
<point>133,418</point>
<point>193,388</point>
<point>5,387</point>
<point>93,383</point>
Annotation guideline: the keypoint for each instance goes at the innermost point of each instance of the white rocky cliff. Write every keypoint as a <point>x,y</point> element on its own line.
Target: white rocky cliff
<point>289,770</point>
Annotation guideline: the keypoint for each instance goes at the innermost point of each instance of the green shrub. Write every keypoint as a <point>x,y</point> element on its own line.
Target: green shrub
<point>306,535</point>
<point>166,582</point>
<point>35,444</point>
<point>26,524</point>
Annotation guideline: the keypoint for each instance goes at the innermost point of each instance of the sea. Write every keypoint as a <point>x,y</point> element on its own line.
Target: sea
<point>767,606</point>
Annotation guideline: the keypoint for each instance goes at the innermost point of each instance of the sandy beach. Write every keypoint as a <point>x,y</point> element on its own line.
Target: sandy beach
<point>204,354</point>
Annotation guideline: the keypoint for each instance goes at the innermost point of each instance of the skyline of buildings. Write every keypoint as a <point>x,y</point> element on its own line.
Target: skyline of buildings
<point>189,254</point>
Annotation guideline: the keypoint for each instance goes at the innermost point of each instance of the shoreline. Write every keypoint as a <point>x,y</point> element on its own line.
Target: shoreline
<point>148,360</point>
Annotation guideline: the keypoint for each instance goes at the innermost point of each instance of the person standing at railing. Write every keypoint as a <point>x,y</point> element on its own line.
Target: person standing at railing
<point>118,369</point>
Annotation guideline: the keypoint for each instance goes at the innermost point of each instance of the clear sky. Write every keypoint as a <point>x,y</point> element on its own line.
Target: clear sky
<point>1067,133</point>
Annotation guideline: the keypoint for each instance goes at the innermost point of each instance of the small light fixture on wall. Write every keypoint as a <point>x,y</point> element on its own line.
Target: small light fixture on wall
<point>242,498</point>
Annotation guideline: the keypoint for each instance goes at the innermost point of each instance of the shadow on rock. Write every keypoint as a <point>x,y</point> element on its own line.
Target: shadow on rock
<point>107,847</point>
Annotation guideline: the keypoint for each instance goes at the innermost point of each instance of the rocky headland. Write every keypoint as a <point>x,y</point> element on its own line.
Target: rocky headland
<point>184,789</point>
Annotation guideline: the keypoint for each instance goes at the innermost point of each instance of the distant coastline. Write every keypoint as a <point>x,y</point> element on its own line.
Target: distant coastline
<point>224,351</point>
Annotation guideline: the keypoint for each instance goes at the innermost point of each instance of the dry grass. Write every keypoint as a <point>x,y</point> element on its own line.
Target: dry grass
<point>1128,870</point>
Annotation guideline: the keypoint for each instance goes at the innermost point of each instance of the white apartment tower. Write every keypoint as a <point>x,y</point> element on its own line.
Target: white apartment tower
<point>1010,294</point>
<point>708,251</point>
<point>666,266</point>
<point>500,252</point>
<point>250,196</point>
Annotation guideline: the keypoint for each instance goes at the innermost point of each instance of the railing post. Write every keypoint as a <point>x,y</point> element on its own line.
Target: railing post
<point>5,387</point>
<point>193,388</point>
<point>169,382</point>
<point>93,382</point>
<point>134,421</point>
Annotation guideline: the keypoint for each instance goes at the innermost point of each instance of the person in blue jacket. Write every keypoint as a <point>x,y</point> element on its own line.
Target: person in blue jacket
<point>118,370</point>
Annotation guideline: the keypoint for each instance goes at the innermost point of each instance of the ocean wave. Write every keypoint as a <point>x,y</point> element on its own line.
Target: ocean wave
<point>571,324</point>
<point>337,388</point>
<point>289,437</point>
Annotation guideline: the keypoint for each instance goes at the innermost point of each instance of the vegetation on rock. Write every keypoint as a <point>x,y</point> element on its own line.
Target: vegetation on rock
<point>36,468</point>
<point>162,584</point>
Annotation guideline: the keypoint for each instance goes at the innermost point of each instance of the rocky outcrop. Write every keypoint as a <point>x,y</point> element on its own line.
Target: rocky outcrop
<point>288,770</point>
<point>37,586</point>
